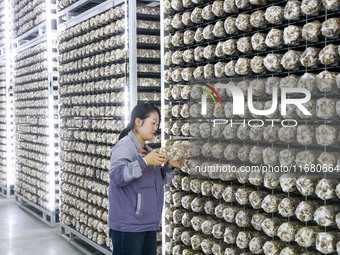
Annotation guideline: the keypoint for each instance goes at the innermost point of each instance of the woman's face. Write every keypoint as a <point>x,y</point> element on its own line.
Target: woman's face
<point>148,129</point>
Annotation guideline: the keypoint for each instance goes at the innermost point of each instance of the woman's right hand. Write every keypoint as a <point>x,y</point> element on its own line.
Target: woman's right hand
<point>155,159</point>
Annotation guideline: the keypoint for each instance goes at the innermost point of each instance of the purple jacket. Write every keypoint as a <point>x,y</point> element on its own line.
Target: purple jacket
<point>136,192</point>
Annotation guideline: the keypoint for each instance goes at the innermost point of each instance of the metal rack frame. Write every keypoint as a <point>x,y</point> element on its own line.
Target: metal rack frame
<point>43,28</point>
<point>48,217</point>
<point>6,54</point>
<point>131,88</point>
<point>7,192</point>
<point>164,221</point>
<point>86,14</point>
<point>132,44</point>
<point>77,7</point>
<point>75,14</point>
<point>26,37</point>
<point>300,70</point>
<point>71,235</point>
<point>53,127</point>
<point>44,32</point>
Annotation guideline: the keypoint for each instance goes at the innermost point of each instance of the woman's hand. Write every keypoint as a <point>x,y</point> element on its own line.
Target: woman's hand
<point>155,159</point>
<point>176,163</point>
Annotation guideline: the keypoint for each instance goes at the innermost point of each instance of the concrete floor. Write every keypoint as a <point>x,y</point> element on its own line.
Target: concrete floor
<point>23,234</point>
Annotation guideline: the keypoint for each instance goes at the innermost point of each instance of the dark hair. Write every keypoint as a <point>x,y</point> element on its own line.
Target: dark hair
<point>141,110</point>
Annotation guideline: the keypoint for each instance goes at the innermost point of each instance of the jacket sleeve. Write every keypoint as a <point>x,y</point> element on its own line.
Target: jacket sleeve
<point>123,169</point>
<point>169,173</point>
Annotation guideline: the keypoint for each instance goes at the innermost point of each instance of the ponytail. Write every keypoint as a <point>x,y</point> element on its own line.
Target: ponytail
<point>125,132</point>
<point>141,111</point>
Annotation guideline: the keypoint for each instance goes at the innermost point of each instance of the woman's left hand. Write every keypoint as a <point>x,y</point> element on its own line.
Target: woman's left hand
<point>176,163</point>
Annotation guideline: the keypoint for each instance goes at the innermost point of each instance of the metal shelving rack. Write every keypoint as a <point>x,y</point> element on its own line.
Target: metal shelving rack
<point>71,16</point>
<point>136,76</point>
<point>321,42</point>
<point>7,178</point>
<point>74,9</point>
<point>129,84</point>
<point>68,18</point>
<point>39,131</point>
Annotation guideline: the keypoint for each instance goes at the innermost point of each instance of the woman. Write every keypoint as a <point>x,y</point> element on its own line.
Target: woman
<point>136,185</point>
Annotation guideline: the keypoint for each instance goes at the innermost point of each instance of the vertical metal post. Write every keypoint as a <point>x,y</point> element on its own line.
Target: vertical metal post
<point>51,122</point>
<point>162,75</point>
<point>132,27</point>
<point>162,115</point>
<point>9,105</point>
